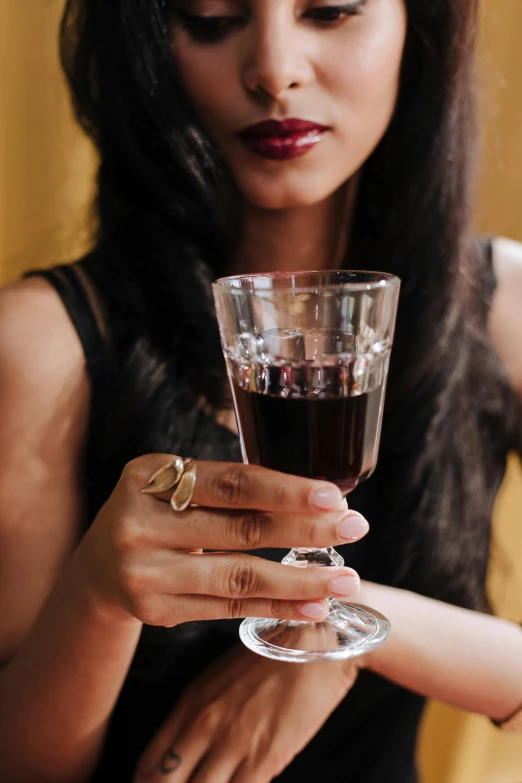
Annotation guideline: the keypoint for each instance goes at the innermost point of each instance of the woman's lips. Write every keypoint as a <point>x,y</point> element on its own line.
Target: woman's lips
<point>282,140</point>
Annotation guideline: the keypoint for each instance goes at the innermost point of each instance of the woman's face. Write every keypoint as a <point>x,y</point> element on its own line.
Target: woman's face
<point>326,74</point>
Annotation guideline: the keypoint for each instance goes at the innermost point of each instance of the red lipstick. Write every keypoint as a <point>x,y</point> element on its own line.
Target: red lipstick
<point>282,140</point>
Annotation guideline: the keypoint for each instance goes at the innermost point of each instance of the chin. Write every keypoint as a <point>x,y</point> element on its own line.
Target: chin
<point>278,194</point>
<point>262,201</point>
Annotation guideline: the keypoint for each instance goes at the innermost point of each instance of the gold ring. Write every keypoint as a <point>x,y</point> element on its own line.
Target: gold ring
<point>165,478</point>
<point>182,495</point>
<point>180,475</point>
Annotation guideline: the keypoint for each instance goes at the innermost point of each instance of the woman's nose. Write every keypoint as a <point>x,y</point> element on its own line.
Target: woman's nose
<point>277,59</point>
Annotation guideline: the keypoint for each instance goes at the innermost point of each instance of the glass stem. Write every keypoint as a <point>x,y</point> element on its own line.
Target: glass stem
<point>306,557</point>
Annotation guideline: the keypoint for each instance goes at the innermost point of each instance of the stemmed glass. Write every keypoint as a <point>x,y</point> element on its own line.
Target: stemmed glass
<point>307,355</point>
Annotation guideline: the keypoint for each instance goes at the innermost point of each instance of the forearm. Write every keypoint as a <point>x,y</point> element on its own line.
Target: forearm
<point>467,659</point>
<point>58,692</point>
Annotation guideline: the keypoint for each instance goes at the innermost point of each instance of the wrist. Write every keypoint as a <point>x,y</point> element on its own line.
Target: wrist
<point>381,598</point>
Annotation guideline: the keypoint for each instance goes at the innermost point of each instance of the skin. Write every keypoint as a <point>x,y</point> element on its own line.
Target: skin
<point>278,63</point>
<point>69,632</point>
<point>281,61</point>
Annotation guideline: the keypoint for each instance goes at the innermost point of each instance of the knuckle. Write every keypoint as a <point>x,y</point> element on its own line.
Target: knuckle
<point>275,609</point>
<point>283,610</point>
<point>249,529</point>
<point>242,581</point>
<point>308,533</point>
<point>207,720</point>
<point>235,608</point>
<point>138,471</point>
<point>125,534</point>
<point>133,580</point>
<point>229,485</point>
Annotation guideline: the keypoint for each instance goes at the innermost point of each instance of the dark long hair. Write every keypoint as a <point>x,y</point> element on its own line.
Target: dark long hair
<point>165,207</point>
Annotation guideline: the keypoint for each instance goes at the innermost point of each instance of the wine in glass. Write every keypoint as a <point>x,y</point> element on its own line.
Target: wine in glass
<point>307,356</point>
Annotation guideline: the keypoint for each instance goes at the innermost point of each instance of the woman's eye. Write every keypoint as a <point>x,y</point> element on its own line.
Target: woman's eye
<point>334,13</point>
<point>209,29</point>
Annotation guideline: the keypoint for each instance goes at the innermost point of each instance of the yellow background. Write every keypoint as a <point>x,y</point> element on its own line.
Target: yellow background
<point>46,186</point>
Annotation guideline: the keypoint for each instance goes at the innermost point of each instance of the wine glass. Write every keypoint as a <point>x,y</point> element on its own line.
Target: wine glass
<point>307,355</point>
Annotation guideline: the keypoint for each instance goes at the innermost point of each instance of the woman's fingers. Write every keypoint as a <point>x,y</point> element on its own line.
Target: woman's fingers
<point>171,610</point>
<point>231,575</point>
<point>234,485</point>
<point>178,753</point>
<point>219,766</point>
<point>160,748</point>
<point>175,762</point>
<point>205,528</point>
<point>265,509</point>
<point>185,587</point>
<point>162,579</point>
<point>245,775</point>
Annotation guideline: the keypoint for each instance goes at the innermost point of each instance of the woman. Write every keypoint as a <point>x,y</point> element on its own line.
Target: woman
<point>113,365</point>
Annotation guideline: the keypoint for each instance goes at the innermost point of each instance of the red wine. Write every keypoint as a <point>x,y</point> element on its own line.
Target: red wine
<point>302,423</point>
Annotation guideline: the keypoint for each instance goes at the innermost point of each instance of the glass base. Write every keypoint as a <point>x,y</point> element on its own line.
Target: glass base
<point>348,631</point>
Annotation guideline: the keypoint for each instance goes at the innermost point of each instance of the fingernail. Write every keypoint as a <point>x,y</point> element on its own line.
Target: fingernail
<point>314,611</point>
<point>345,585</point>
<point>327,498</point>
<point>353,527</point>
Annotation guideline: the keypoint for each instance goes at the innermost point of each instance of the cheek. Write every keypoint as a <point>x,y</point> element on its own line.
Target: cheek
<point>209,80</point>
<point>354,88</point>
<point>365,87</point>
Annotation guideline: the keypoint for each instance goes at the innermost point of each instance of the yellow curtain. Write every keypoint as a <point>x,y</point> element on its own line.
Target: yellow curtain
<point>46,188</point>
<point>457,747</point>
<point>46,179</point>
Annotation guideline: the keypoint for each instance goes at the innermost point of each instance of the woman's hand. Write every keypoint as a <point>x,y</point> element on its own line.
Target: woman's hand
<point>244,720</point>
<point>145,561</point>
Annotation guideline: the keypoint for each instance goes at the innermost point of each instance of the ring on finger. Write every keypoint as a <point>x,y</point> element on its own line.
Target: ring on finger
<point>182,495</point>
<point>179,475</point>
<point>166,478</point>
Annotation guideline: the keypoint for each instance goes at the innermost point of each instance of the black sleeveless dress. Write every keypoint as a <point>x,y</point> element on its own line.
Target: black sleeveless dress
<point>371,736</point>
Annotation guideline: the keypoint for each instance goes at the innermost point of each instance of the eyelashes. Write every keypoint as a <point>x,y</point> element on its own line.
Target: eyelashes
<point>208,29</point>
<point>333,13</point>
<point>211,29</point>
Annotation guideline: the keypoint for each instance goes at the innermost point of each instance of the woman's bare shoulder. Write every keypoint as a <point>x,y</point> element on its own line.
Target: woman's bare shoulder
<point>44,393</point>
<point>36,333</point>
<point>506,312</point>
<point>44,409</point>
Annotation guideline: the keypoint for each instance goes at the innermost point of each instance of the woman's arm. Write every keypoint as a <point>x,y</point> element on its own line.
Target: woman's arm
<point>134,565</point>
<point>470,660</point>
<point>58,692</point>
<point>467,659</point>
<point>61,674</point>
